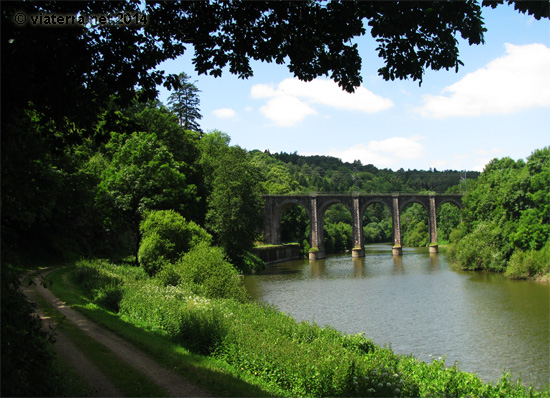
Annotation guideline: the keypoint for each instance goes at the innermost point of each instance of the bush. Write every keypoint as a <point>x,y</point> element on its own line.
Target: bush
<point>166,236</point>
<point>527,264</point>
<point>481,249</point>
<point>209,274</point>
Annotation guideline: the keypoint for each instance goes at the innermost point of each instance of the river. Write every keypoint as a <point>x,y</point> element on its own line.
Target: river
<point>421,306</point>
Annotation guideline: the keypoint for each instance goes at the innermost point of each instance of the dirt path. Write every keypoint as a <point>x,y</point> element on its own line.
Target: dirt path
<point>172,383</point>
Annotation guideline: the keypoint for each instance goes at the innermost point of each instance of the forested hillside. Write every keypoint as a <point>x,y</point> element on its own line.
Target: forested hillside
<point>292,173</point>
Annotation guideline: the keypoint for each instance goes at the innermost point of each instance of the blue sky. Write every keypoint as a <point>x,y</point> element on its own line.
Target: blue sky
<point>497,105</point>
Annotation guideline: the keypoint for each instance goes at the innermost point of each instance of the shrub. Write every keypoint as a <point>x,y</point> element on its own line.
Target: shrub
<point>481,249</point>
<point>166,236</point>
<point>209,274</point>
<point>531,263</point>
<point>417,237</point>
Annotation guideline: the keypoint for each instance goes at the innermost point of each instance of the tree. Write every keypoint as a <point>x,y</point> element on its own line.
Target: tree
<point>506,218</point>
<point>184,102</point>
<point>234,205</point>
<point>142,176</point>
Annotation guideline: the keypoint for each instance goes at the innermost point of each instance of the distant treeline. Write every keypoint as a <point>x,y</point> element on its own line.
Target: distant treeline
<point>293,173</point>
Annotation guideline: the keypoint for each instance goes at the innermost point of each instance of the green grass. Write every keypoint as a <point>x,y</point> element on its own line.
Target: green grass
<point>213,375</point>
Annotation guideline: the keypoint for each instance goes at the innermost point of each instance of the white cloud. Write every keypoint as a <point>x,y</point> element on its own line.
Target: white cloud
<point>519,80</point>
<point>225,113</point>
<point>286,110</point>
<point>385,153</point>
<point>306,94</point>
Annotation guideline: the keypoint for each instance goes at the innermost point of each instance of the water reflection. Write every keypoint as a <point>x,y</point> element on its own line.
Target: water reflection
<point>398,265</point>
<point>317,268</point>
<point>422,307</point>
<point>434,262</point>
<point>359,267</point>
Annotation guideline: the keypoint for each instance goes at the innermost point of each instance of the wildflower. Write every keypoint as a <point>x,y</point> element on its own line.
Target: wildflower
<point>397,391</point>
<point>371,390</point>
<point>388,385</point>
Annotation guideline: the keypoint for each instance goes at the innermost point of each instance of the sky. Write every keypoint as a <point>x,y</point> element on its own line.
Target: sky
<point>497,105</point>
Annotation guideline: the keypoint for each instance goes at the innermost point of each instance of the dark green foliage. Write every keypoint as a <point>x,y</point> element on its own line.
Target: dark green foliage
<point>234,204</point>
<point>27,361</point>
<point>506,218</point>
<point>338,237</point>
<point>166,236</point>
<point>47,195</point>
<point>305,174</point>
<point>337,229</point>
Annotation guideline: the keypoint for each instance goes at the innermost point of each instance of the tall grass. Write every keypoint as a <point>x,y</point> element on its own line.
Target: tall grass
<point>299,358</point>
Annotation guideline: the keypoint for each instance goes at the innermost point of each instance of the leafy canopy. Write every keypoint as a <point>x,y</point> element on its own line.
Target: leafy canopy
<point>72,71</point>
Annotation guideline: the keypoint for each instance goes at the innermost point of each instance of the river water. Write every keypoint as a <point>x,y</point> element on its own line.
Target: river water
<point>421,306</point>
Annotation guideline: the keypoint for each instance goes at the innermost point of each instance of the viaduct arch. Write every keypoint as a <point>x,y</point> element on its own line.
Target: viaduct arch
<point>316,205</point>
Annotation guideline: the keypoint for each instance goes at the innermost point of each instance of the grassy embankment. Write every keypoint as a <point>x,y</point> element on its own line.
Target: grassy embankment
<point>244,348</point>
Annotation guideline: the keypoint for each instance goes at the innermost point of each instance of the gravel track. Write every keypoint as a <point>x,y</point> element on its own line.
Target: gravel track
<point>171,382</point>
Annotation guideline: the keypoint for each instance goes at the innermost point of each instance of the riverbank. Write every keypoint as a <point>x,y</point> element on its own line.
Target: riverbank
<point>422,306</point>
<point>285,357</point>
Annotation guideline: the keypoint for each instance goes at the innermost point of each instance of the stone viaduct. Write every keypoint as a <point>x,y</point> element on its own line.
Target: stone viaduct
<point>316,205</point>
